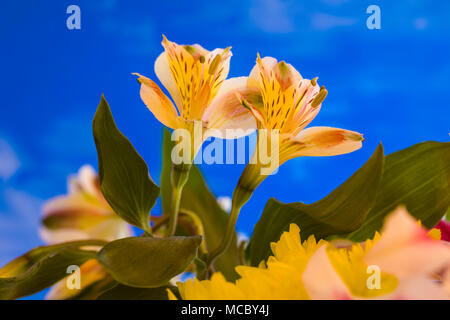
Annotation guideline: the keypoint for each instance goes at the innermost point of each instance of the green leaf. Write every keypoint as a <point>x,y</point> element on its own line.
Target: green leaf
<point>342,211</point>
<point>124,178</point>
<point>147,262</point>
<point>123,292</point>
<point>198,198</point>
<point>42,267</point>
<point>418,177</point>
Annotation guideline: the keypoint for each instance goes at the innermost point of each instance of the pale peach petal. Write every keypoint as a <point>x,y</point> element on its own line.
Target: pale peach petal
<point>108,230</point>
<point>222,70</point>
<point>226,115</point>
<point>75,205</point>
<point>446,280</point>
<point>158,103</point>
<point>62,235</point>
<point>327,141</point>
<point>321,280</point>
<point>86,181</point>
<point>286,75</point>
<point>418,288</point>
<point>162,71</point>
<point>406,250</point>
<point>266,63</point>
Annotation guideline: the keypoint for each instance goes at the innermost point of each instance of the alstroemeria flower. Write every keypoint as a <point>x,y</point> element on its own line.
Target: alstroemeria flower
<point>80,215</point>
<point>196,81</point>
<point>404,255</point>
<point>283,103</point>
<point>289,104</point>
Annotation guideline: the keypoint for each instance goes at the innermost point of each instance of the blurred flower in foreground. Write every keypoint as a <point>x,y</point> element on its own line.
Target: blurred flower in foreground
<point>402,263</point>
<point>82,214</point>
<point>444,227</point>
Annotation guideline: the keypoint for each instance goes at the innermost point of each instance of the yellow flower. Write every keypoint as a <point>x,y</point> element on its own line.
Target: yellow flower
<point>196,81</point>
<point>80,215</point>
<point>399,264</point>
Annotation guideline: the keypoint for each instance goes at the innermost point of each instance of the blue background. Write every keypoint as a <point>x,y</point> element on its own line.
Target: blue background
<point>389,84</point>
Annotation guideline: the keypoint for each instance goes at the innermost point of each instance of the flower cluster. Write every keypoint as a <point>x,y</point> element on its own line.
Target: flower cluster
<point>344,246</point>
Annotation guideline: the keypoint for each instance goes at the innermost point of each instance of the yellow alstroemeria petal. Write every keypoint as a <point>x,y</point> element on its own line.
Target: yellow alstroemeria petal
<point>290,102</point>
<point>162,71</point>
<point>327,141</point>
<point>158,103</point>
<point>227,111</point>
<point>198,75</point>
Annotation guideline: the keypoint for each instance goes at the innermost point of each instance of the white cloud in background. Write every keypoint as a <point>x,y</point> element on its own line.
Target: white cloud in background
<point>272,16</point>
<point>420,23</point>
<point>19,223</point>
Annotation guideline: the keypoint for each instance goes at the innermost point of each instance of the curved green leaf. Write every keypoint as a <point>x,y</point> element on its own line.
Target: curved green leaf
<point>199,199</point>
<point>418,177</point>
<point>42,267</point>
<point>124,178</point>
<point>342,211</point>
<point>147,262</point>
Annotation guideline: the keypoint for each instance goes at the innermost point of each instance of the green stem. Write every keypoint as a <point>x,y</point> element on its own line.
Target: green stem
<point>180,175</point>
<point>174,210</point>
<point>240,196</point>
<point>226,240</point>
